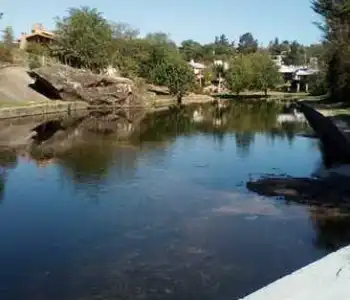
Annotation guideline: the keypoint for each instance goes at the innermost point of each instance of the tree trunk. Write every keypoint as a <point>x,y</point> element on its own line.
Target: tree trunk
<point>179,99</point>
<point>265,91</point>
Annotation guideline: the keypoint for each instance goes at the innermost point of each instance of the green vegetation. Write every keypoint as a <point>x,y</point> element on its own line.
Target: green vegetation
<point>7,44</point>
<point>86,39</point>
<point>255,71</point>
<point>335,27</point>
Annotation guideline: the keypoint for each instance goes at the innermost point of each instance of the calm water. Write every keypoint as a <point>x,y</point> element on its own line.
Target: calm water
<point>164,216</point>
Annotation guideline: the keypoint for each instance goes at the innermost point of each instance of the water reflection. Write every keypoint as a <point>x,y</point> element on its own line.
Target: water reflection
<point>8,161</point>
<point>169,219</point>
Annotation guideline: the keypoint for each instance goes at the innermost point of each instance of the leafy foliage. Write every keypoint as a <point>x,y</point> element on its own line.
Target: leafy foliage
<point>176,75</point>
<point>265,72</point>
<point>8,36</point>
<point>247,44</point>
<point>336,28</point>
<point>84,38</point>
<point>239,76</point>
<point>5,54</point>
<point>295,55</point>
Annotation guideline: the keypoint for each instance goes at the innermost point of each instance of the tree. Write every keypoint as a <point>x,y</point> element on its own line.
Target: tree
<point>239,76</point>
<point>84,38</point>
<point>176,75</point>
<point>122,30</point>
<point>296,55</point>
<point>191,49</point>
<point>160,38</point>
<point>247,43</point>
<point>265,72</point>
<point>8,36</point>
<point>277,48</point>
<point>336,28</point>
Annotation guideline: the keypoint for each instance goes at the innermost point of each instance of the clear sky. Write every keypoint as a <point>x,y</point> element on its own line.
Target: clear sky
<point>200,20</point>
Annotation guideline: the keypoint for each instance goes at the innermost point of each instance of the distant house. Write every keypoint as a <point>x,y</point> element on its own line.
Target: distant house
<point>297,76</point>
<point>197,70</point>
<point>224,64</point>
<point>38,35</point>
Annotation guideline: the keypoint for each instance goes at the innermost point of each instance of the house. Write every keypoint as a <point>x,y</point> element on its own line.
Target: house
<point>198,70</point>
<point>297,76</point>
<point>37,35</point>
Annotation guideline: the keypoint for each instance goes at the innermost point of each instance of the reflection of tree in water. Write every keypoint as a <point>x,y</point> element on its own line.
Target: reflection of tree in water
<point>244,140</point>
<point>241,119</point>
<point>332,227</point>
<point>89,165</point>
<point>8,160</point>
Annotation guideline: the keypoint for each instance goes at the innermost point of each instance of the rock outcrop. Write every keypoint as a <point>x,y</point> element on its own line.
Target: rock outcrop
<point>66,83</point>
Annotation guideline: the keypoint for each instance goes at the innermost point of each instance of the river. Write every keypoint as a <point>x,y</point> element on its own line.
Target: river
<point>164,215</point>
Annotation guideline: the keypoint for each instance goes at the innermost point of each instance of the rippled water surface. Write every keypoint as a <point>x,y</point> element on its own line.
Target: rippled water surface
<point>164,216</point>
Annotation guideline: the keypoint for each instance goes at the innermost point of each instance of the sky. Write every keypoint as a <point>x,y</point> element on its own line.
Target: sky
<point>200,20</point>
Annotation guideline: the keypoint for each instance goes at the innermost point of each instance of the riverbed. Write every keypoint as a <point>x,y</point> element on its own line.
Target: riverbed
<point>164,214</point>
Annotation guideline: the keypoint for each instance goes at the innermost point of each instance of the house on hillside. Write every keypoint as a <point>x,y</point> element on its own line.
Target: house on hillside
<point>38,35</point>
<point>198,69</point>
<point>297,76</point>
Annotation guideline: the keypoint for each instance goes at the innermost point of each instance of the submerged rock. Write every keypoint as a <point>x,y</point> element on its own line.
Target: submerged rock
<point>67,83</point>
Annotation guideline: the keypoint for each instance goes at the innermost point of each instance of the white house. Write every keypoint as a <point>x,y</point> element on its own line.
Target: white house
<point>197,69</point>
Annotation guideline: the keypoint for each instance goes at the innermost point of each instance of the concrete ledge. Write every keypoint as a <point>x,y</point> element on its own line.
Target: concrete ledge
<point>325,279</point>
<point>41,109</point>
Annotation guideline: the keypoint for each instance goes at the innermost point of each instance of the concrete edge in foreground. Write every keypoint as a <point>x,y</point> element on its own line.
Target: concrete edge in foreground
<point>325,279</point>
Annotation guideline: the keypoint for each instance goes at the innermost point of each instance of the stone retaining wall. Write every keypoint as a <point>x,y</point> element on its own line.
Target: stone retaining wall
<point>41,109</point>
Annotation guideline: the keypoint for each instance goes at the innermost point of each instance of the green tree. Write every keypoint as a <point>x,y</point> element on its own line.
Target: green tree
<point>277,48</point>
<point>247,44</point>
<point>160,38</point>
<point>176,75</point>
<point>336,27</point>
<point>239,76</point>
<point>8,36</point>
<point>191,49</point>
<point>84,38</point>
<point>121,30</point>
<point>296,55</point>
<point>265,72</point>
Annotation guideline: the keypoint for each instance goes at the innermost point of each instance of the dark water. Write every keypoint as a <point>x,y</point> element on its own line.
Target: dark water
<point>164,216</point>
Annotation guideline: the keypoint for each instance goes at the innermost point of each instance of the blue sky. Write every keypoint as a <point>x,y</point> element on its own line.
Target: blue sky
<point>182,19</point>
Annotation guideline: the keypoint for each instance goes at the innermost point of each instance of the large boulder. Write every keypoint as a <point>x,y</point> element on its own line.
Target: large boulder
<point>67,83</point>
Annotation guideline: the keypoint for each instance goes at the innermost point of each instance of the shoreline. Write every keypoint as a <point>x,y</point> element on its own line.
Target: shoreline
<point>57,106</point>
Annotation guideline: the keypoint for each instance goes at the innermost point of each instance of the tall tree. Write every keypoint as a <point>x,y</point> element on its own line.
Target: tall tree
<point>191,49</point>
<point>265,72</point>
<point>8,36</point>
<point>176,75</point>
<point>239,76</point>
<point>84,38</point>
<point>295,55</point>
<point>247,43</point>
<point>336,28</point>
<point>122,30</point>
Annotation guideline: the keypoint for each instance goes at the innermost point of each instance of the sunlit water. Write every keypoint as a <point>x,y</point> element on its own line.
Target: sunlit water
<point>166,216</point>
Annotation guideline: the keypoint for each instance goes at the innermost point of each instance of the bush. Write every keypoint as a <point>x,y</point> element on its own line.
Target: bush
<point>6,54</point>
<point>318,84</point>
<point>34,61</point>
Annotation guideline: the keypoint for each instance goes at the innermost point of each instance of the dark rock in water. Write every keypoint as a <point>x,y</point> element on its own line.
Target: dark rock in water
<point>331,191</point>
<point>66,83</point>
